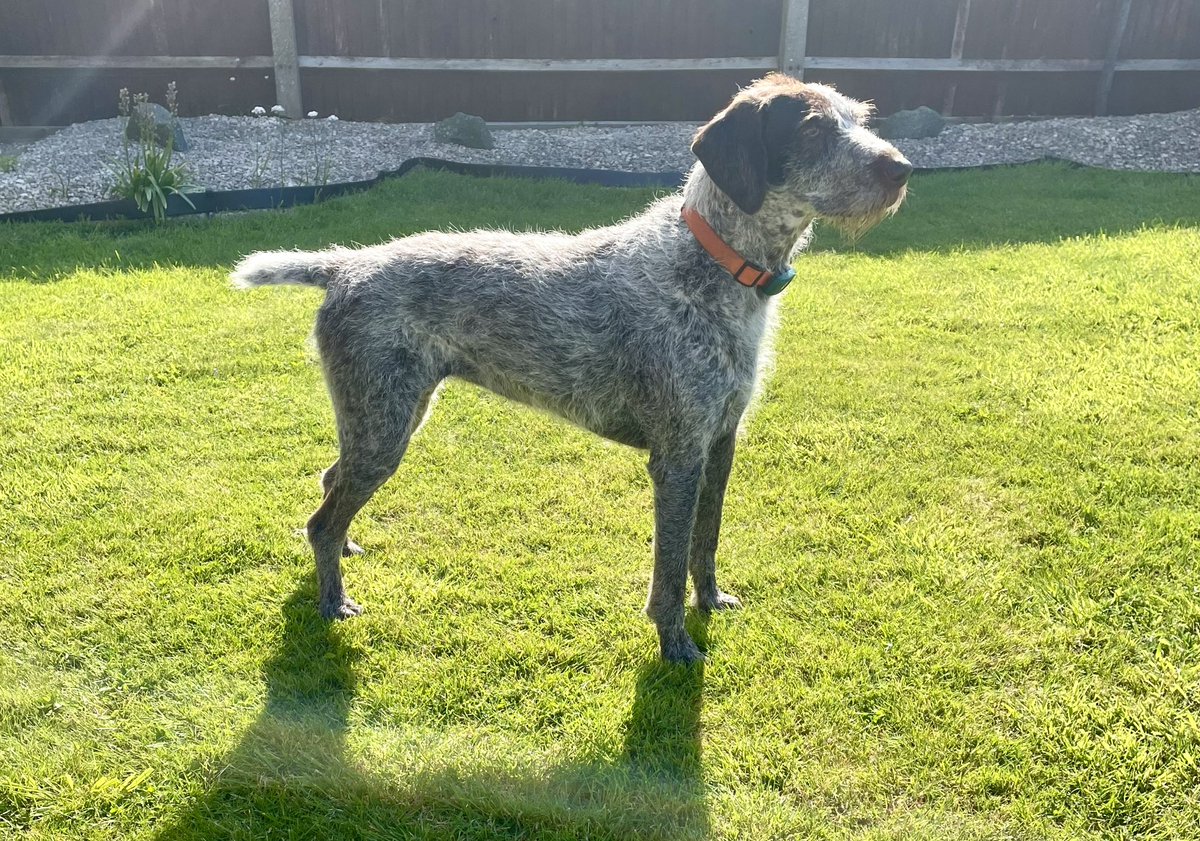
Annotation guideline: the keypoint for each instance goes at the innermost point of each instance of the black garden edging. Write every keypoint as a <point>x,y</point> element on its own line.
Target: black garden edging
<point>268,198</point>
<point>216,201</point>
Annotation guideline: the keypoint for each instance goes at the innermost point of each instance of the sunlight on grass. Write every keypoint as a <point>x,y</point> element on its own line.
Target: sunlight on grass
<point>964,521</point>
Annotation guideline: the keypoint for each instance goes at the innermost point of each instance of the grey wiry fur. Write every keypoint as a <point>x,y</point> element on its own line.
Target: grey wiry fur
<point>631,331</point>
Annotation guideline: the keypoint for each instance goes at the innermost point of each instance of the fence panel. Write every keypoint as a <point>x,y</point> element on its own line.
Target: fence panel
<point>570,29</point>
<point>230,32</point>
<point>913,29</point>
<point>1163,29</point>
<point>1039,29</point>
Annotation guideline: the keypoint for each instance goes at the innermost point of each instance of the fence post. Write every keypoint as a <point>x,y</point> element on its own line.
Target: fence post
<point>1110,60</point>
<point>283,50</point>
<point>956,50</point>
<point>5,114</point>
<point>793,40</point>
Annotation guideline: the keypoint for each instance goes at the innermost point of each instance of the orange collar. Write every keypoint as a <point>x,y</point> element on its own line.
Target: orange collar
<point>744,271</point>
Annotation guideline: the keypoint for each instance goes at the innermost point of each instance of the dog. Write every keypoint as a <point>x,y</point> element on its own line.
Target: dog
<point>651,332</point>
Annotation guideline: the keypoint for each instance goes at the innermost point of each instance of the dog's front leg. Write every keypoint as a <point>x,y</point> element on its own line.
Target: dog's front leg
<point>676,493</point>
<point>707,531</point>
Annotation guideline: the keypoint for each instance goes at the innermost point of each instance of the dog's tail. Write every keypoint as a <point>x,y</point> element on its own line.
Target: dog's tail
<point>307,268</point>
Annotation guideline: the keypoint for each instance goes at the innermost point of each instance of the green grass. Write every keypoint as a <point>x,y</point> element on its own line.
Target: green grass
<point>965,522</point>
<point>8,163</point>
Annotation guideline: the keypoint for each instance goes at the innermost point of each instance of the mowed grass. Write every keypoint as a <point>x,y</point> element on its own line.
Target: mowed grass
<point>965,522</point>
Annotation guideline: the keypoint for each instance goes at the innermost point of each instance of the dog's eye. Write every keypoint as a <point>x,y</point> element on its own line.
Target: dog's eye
<point>809,132</point>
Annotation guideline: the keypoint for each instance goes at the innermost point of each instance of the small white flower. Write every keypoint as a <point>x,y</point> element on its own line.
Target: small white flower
<point>333,118</point>
<point>258,111</point>
<point>278,110</point>
<point>312,114</point>
<point>233,78</point>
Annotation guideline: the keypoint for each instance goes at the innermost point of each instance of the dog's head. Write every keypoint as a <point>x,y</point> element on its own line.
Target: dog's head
<point>805,149</point>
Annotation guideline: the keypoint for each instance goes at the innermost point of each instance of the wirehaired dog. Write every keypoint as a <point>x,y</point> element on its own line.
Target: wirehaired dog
<point>649,332</point>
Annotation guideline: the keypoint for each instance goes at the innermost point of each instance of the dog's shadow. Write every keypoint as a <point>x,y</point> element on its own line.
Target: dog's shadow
<point>292,775</point>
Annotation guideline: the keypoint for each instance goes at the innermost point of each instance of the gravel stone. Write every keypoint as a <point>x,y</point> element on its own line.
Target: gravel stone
<point>76,165</point>
<point>921,122</point>
<point>161,123</point>
<point>464,130</point>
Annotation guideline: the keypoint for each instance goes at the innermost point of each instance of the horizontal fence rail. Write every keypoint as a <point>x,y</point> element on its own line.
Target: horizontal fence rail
<point>597,65</point>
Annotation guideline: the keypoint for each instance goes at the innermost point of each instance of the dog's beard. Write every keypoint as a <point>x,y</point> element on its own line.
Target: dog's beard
<point>855,225</point>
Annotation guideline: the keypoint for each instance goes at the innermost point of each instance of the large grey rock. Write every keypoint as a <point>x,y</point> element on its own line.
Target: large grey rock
<point>464,130</point>
<point>922,122</point>
<point>159,121</point>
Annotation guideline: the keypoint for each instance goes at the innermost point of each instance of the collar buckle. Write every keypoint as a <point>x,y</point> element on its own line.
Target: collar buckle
<point>759,274</point>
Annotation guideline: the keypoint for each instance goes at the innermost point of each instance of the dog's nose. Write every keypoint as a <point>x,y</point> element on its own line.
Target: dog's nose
<point>893,171</point>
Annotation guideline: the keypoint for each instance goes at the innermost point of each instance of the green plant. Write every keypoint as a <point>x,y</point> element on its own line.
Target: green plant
<point>8,163</point>
<point>317,135</point>
<point>62,187</point>
<point>262,153</point>
<point>147,174</point>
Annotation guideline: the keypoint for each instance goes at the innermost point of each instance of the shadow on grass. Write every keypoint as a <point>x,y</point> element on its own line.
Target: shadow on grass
<point>292,776</point>
<point>1040,203</point>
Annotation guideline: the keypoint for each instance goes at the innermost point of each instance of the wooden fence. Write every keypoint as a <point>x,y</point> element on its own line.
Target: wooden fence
<point>567,60</point>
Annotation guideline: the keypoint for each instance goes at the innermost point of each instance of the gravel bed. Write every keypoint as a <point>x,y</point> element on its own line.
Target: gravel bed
<point>1146,142</point>
<point>75,165</point>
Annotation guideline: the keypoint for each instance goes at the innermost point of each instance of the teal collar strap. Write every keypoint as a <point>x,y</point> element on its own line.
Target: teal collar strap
<point>778,282</point>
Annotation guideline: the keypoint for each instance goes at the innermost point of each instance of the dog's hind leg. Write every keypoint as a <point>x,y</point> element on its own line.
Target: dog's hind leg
<point>327,479</point>
<point>420,415</point>
<point>703,557</point>
<point>376,416</point>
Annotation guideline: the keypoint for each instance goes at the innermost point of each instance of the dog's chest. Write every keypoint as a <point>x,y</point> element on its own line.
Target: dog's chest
<point>735,343</point>
<point>749,347</point>
<point>718,351</point>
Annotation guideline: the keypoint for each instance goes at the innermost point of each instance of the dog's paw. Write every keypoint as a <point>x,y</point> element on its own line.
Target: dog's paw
<point>351,548</point>
<point>681,650</point>
<point>720,601</point>
<point>345,608</point>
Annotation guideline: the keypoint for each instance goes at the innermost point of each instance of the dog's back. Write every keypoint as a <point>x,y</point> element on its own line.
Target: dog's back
<point>590,326</point>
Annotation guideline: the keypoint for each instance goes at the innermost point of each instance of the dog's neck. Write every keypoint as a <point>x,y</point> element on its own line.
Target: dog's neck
<point>770,237</point>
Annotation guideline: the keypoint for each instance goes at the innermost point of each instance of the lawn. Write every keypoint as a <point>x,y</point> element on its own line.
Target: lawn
<point>965,523</point>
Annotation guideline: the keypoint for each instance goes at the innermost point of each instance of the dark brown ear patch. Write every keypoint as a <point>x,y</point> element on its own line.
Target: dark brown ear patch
<point>733,154</point>
<point>781,121</point>
<point>745,147</point>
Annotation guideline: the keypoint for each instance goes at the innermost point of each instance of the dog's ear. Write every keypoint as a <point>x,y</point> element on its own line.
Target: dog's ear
<point>734,155</point>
